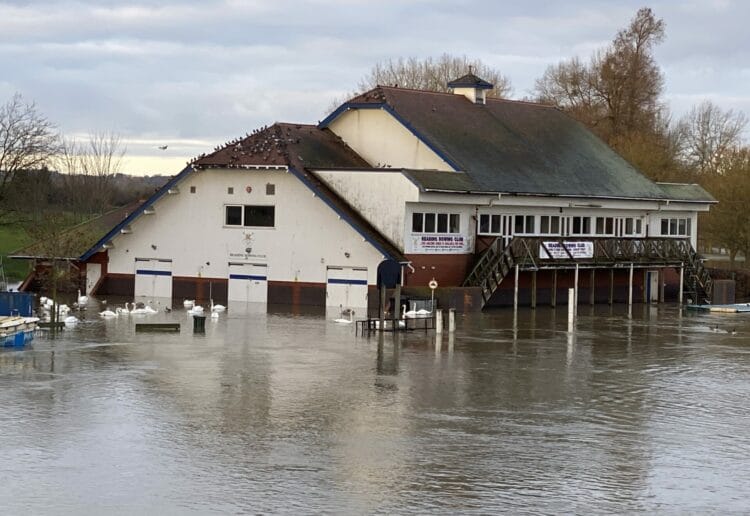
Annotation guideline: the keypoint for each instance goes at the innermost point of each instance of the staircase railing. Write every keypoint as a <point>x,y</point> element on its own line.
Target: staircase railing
<point>534,253</point>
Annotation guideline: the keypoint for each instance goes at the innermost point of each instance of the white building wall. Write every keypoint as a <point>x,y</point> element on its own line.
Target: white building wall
<point>379,196</point>
<point>414,243</point>
<point>189,229</point>
<point>383,141</point>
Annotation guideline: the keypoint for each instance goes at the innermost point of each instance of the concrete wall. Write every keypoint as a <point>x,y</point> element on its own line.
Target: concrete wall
<point>383,141</point>
<point>189,229</point>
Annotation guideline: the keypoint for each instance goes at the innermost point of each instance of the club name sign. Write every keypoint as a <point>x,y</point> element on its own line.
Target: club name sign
<point>566,250</point>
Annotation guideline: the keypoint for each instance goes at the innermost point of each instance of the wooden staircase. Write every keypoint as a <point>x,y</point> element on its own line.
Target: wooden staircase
<point>532,254</point>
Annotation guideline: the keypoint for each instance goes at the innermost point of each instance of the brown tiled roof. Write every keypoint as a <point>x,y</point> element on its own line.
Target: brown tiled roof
<point>297,145</point>
<point>470,80</point>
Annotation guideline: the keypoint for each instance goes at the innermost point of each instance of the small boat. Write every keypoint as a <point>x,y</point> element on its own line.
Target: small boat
<point>16,331</point>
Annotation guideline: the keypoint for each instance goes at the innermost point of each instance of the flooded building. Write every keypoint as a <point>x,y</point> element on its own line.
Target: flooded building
<point>488,197</point>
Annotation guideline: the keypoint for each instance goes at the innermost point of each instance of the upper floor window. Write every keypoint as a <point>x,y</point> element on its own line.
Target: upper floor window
<point>250,215</point>
<point>549,225</point>
<point>435,222</point>
<point>675,227</point>
<point>580,226</point>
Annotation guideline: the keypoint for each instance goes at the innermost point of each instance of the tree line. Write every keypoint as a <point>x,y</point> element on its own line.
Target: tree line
<point>43,171</point>
<point>618,93</point>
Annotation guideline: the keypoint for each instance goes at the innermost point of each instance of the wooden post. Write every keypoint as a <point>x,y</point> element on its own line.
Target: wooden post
<point>382,307</point>
<point>592,290</point>
<point>662,275</point>
<point>397,301</point>
<point>575,292</point>
<point>571,307</point>
<point>451,320</point>
<point>515,292</point>
<point>646,286</point>
<point>630,287</point>
<point>682,283</point>
<point>533,289</point>
<point>553,301</point>
<point>439,320</point>
<point>611,286</point>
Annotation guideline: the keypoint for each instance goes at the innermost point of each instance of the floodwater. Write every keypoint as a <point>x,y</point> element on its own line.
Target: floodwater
<point>292,413</point>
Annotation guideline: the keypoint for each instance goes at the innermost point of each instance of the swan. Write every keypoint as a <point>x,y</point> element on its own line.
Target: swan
<point>196,310</point>
<point>346,321</point>
<point>150,310</point>
<point>410,314</point>
<point>43,300</point>
<point>71,320</point>
<point>214,315</point>
<point>188,303</point>
<point>108,313</point>
<point>217,308</point>
<point>82,300</point>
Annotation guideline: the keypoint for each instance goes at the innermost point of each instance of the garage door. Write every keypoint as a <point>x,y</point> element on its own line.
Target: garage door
<point>346,286</point>
<point>248,282</point>
<point>153,277</point>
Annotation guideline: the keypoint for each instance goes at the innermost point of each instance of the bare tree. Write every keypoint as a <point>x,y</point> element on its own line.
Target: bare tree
<point>90,169</point>
<point>27,141</point>
<point>710,135</point>
<point>618,91</point>
<point>433,74</point>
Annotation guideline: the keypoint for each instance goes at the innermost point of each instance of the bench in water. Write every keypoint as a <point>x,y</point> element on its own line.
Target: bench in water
<point>157,327</point>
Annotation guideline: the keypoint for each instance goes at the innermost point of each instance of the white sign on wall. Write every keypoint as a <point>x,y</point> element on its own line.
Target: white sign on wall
<point>557,250</point>
<point>439,243</point>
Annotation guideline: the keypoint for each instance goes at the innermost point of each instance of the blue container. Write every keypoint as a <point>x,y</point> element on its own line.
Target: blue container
<point>16,303</point>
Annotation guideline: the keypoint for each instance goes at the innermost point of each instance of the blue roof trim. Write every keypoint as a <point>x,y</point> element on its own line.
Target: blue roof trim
<point>387,107</point>
<point>339,212</point>
<point>137,213</point>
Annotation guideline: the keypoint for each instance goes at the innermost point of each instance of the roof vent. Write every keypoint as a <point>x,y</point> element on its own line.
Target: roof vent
<point>471,87</point>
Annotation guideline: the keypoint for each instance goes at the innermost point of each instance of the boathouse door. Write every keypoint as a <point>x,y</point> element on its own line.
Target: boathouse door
<point>248,282</point>
<point>153,277</point>
<point>346,287</point>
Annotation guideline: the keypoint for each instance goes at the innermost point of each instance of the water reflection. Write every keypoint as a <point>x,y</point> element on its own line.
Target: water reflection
<point>283,410</point>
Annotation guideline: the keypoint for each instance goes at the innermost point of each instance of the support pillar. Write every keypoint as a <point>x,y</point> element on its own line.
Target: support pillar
<point>515,292</point>
<point>533,289</point>
<point>575,292</point>
<point>630,287</point>
<point>646,287</point>
<point>611,286</point>
<point>682,283</point>
<point>553,301</point>
<point>592,288</point>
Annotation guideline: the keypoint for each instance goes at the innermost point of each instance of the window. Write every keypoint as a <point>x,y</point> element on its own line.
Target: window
<point>605,226</point>
<point>233,216</point>
<point>192,189</point>
<point>270,189</point>
<point>435,222</point>
<point>489,224</point>
<point>581,226</point>
<point>257,216</point>
<point>549,225</point>
<point>675,227</point>
<point>230,190</point>
<point>523,224</point>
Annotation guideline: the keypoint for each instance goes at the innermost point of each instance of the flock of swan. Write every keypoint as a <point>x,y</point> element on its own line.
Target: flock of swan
<point>347,316</point>
<point>48,305</point>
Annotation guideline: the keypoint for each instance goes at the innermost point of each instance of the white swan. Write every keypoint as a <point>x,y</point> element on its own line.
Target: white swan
<point>217,308</point>
<point>214,315</point>
<point>150,310</point>
<point>82,300</point>
<point>188,303</point>
<point>71,320</point>
<point>43,300</point>
<point>108,313</point>
<point>196,310</point>
<point>346,321</point>
<point>410,314</point>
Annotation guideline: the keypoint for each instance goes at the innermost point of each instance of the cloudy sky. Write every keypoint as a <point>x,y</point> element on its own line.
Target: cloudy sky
<point>194,74</point>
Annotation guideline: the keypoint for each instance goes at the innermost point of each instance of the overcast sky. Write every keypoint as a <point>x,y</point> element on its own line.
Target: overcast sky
<point>192,75</point>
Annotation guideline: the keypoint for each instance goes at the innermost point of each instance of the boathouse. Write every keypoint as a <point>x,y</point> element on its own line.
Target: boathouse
<point>488,197</point>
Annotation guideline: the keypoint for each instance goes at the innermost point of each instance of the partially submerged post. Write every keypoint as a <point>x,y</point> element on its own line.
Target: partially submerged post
<point>575,292</point>
<point>515,292</point>
<point>630,287</point>
<point>439,321</point>
<point>389,276</point>
<point>682,282</point>
<point>451,320</point>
